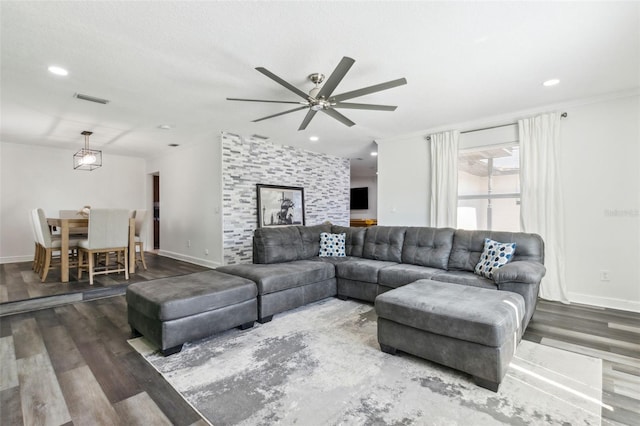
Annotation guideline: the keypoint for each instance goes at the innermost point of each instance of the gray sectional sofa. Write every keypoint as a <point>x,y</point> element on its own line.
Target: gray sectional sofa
<point>428,300</point>
<point>289,273</point>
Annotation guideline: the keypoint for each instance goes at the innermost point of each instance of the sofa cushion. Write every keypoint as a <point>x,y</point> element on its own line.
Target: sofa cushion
<point>332,245</point>
<point>494,256</point>
<point>185,295</point>
<point>358,269</point>
<point>274,277</point>
<point>277,244</point>
<point>384,243</point>
<point>310,237</point>
<point>403,273</point>
<point>468,246</point>
<point>354,241</point>
<point>465,278</point>
<point>466,313</point>
<point>428,246</point>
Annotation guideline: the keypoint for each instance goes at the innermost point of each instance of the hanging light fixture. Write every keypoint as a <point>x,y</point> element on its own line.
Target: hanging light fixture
<point>87,159</point>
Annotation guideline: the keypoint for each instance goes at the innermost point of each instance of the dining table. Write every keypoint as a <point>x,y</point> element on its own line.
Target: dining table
<point>67,224</point>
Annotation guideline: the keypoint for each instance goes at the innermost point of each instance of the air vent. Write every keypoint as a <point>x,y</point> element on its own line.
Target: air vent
<point>264,138</point>
<point>91,98</point>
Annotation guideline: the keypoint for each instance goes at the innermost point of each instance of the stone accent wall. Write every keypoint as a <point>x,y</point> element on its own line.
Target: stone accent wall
<point>247,162</point>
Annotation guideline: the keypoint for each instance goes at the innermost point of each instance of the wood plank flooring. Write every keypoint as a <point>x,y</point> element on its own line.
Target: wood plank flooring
<point>22,291</point>
<point>608,334</point>
<point>71,364</point>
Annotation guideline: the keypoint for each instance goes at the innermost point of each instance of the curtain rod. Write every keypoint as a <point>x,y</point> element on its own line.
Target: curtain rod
<point>563,115</point>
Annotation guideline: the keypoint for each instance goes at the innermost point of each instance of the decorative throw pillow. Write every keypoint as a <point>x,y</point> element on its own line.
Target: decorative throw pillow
<point>494,256</point>
<point>332,245</point>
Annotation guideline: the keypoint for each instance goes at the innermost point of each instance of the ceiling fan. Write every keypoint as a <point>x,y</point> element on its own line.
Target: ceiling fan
<point>322,98</point>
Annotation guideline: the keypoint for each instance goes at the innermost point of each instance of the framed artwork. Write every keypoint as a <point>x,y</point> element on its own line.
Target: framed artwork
<point>280,205</point>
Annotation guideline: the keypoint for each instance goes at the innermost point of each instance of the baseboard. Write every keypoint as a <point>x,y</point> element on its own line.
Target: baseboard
<point>15,259</point>
<point>605,302</point>
<point>190,259</point>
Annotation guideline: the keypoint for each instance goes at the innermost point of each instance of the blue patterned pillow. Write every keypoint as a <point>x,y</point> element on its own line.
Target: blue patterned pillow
<point>494,256</point>
<point>332,245</point>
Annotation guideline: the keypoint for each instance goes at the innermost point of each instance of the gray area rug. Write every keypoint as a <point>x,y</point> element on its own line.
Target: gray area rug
<point>321,365</point>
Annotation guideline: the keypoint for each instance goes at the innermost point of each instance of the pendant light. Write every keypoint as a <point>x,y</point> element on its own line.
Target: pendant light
<point>87,159</point>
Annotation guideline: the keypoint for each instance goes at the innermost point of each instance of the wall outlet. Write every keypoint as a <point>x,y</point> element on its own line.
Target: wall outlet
<point>604,275</point>
<point>206,252</point>
<point>188,243</point>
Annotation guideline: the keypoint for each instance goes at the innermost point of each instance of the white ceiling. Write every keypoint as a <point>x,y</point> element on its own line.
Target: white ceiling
<point>176,62</point>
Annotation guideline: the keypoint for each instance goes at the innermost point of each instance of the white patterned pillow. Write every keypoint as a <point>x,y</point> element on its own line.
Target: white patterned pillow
<point>494,256</point>
<point>332,245</point>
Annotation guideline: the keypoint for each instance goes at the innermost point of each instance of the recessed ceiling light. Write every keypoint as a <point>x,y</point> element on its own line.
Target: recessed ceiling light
<point>551,82</point>
<point>165,127</point>
<point>313,138</point>
<point>57,70</point>
<point>374,153</point>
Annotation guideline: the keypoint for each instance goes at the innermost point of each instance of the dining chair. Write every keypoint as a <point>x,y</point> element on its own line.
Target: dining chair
<point>49,244</point>
<point>33,214</point>
<point>108,233</point>
<point>140,234</point>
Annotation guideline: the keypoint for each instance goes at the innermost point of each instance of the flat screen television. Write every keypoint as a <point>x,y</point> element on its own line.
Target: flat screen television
<point>359,198</point>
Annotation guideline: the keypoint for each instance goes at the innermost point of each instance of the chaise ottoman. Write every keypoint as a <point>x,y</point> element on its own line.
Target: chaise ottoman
<point>471,329</point>
<point>175,310</point>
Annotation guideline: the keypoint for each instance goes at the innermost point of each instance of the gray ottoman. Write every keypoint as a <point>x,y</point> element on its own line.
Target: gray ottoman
<point>471,329</point>
<point>172,311</point>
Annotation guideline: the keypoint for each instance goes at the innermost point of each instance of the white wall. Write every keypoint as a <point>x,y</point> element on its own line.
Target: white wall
<point>403,179</point>
<point>37,176</point>
<point>372,183</point>
<point>600,163</point>
<point>190,202</point>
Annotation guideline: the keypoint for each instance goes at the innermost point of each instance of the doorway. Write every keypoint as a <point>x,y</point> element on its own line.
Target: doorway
<point>156,211</point>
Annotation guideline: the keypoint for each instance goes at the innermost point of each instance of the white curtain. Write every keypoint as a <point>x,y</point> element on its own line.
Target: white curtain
<point>541,209</point>
<point>444,178</point>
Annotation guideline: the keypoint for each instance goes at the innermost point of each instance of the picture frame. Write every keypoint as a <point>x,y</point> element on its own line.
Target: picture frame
<point>280,205</point>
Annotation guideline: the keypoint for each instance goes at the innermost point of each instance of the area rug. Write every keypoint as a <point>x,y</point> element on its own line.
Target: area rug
<point>321,365</point>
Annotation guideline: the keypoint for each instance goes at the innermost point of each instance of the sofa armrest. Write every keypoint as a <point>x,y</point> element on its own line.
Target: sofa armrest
<point>520,271</point>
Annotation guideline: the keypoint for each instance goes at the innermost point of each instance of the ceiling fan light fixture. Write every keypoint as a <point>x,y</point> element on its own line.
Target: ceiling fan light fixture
<point>87,159</point>
<point>323,99</point>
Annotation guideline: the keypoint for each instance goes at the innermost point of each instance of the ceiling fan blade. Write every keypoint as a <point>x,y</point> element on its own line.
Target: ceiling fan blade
<point>280,113</point>
<point>349,105</point>
<point>341,118</point>
<point>262,100</point>
<point>307,119</point>
<point>336,77</point>
<point>280,81</point>
<point>368,90</point>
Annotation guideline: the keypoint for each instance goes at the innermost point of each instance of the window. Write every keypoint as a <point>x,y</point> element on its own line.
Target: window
<point>489,188</point>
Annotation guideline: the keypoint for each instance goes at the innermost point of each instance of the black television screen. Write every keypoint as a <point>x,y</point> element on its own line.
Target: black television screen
<point>359,198</point>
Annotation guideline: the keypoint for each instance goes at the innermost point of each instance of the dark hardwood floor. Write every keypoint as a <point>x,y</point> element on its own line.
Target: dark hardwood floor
<point>71,364</point>
<point>22,291</point>
<point>67,363</point>
<point>608,334</point>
